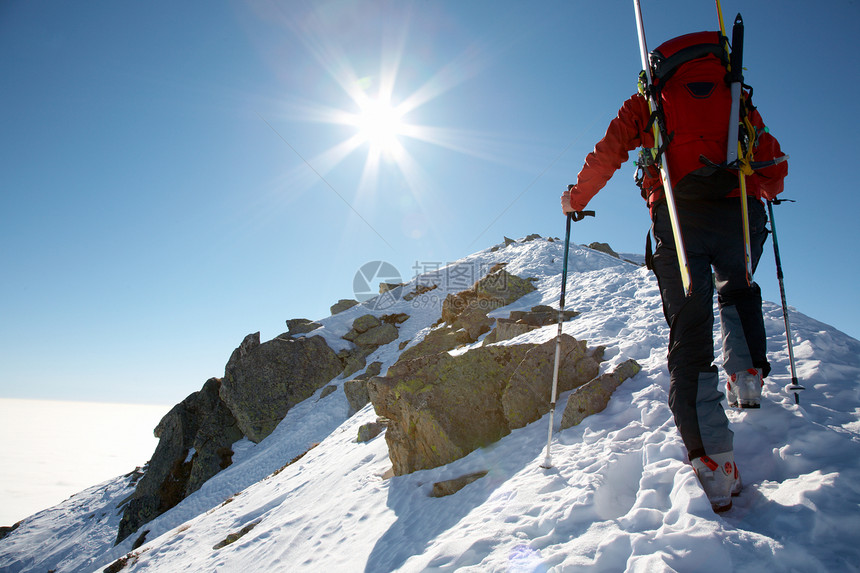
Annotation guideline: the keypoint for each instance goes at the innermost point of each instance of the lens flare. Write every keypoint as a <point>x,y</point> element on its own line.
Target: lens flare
<point>380,125</point>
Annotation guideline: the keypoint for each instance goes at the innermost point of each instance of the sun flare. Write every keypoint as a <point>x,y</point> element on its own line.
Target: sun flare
<point>379,115</point>
<point>380,124</point>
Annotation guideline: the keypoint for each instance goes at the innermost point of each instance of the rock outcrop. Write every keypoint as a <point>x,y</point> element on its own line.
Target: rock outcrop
<point>195,440</point>
<point>520,321</point>
<point>301,326</point>
<point>441,407</point>
<point>342,305</point>
<point>367,334</point>
<point>370,430</point>
<point>603,248</point>
<point>528,393</point>
<point>464,315</point>
<point>356,389</point>
<point>593,397</point>
<point>263,381</point>
<point>452,486</point>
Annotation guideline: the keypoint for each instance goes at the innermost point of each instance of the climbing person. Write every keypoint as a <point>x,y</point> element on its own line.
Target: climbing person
<point>693,108</point>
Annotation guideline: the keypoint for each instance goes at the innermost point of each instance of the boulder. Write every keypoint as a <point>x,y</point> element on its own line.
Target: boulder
<point>364,323</point>
<point>367,334</point>
<point>6,530</point>
<point>452,486</point>
<point>370,332</point>
<point>354,360</point>
<point>377,336</point>
<point>195,439</point>
<point>465,314</point>
<point>593,397</point>
<point>437,340</point>
<point>506,329</point>
<point>396,318</point>
<point>603,248</point>
<point>356,389</point>
<point>301,326</point>
<point>263,381</point>
<point>419,290</point>
<point>369,431</point>
<point>442,407</point>
<point>342,305</point>
<point>541,315</point>
<point>528,393</point>
<point>327,391</point>
<point>520,321</point>
<point>389,287</point>
<point>474,322</point>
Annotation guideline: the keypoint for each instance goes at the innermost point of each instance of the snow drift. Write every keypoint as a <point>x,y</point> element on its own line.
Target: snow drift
<point>621,496</point>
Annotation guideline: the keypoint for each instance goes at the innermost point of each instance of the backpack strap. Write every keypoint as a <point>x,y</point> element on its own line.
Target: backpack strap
<point>664,67</point>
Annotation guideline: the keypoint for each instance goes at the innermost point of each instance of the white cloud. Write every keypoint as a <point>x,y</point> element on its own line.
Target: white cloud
<point>51,450</point>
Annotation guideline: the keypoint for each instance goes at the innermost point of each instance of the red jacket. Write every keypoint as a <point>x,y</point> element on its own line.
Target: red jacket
<point>627,132</point>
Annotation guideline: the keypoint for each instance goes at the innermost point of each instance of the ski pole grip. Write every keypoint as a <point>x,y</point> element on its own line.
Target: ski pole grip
<point>580,215</point>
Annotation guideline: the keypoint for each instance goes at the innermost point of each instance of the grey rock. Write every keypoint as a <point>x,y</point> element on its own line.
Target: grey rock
<point>356,389</point>
<point>465,313</point>
<point>301,326</point>
<point>593,397</point>
<point>519,322</point>
<point>342,305</point>
<point>369,431</point>
<point>442,407</point>
<point>507,329</point>
<point>528,393</point>
<point>201,423</point>
<point>365,322</point>
<point>452,486</point>
<point>355,360</point>
<point>263,381</point>
<point>503,287</point>
<point>603,248</point>
<point>327,391</point>
<point>377,336</point>
<point>397,318</point>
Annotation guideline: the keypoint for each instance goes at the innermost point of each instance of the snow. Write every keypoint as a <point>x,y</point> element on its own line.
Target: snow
<point>619,496</point>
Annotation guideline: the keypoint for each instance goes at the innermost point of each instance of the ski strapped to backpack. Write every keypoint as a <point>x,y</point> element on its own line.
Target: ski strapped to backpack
<point>658,154</point>
<point>736,116</point>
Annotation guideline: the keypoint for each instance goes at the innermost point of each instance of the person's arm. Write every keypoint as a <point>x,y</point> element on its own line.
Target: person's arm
<point>622,136</point>
<point>771,178</point>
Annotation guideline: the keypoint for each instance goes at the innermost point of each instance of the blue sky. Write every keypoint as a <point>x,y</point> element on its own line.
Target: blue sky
<point>176,175</point>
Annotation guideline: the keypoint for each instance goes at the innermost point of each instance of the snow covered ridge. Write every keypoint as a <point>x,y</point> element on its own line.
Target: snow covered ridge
<point>620,497</point>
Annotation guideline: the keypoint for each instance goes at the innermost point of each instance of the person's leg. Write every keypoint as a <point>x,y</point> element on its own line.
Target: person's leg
<point>694,398</point>
<point>742,324</point>
<point>693,395</point>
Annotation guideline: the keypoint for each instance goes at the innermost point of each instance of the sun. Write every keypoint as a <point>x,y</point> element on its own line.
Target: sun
<point>380,125</point>
<point>378,115</point>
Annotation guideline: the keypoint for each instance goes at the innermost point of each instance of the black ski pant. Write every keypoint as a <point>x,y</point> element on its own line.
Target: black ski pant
<point>712,231</point>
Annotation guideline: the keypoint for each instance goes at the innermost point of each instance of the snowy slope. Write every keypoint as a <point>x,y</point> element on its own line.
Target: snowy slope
<point>620,497</point>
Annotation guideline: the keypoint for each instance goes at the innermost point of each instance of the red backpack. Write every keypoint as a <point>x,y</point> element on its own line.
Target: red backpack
<point>689,79</point>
